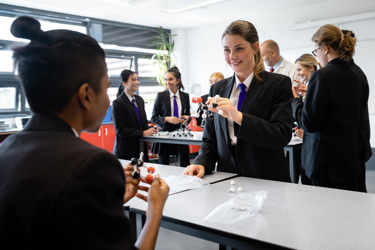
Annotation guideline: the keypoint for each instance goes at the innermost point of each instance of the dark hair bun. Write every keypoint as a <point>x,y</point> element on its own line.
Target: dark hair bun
<point>27,27</point>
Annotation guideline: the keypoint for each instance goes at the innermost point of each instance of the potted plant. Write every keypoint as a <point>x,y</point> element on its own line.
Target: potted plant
<point>163,59</point>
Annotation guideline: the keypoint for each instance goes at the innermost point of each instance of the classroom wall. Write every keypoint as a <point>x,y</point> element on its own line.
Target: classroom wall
<point>205,54</point>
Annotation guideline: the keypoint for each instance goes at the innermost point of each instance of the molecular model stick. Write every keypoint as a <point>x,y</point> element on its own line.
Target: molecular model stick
<point>139,163</point>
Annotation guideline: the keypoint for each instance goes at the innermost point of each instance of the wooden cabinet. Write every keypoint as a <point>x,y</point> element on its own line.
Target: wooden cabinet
<point>104,138</point>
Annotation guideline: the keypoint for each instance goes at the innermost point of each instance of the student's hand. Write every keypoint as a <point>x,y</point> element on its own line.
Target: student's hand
<point>228,109</point>
<point>300,88</point>
<point>194,170</point>
<point>131,186</point>
<point>187,118</point>
<point>157,195</point>
<point>172,119</point>
<point>300,133</point>
<point>150,131</point>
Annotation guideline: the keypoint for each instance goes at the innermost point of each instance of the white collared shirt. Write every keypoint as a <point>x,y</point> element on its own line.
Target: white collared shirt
<point>178,102</point>
<point>75,132</point>
<point>131,99</point>
<point>234,100</point>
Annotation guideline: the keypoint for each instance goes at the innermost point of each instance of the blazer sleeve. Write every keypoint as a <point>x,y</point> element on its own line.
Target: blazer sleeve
<point>121,118</point>
<point>93,203</point>
<point>275,132</point>
<point>157,115</point>
<point>309,115</point>
<point>187,106</point>
<point>208,153</point>
<point>143,113</point>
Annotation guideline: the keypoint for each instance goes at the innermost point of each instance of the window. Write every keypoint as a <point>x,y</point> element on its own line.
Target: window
<point>8,98</point>
<point>127,46</point>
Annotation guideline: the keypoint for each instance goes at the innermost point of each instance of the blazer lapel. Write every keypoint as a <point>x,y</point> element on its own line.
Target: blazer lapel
<point>252,95</point>
<point>130,106</point>
<point>225,92</point>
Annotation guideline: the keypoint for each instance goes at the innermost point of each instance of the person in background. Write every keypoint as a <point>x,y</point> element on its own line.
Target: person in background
<point>306,65</point>
<point>330,114</point>
<point>171,108</point>
<point>363,142</point>
<point>58,191</point>
<point>129,119</point>
<point>275,62</point>
<point>215,77</point>
<point>255,126</point>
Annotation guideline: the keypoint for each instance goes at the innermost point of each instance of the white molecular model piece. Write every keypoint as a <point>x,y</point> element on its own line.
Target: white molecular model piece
<point>215,105</point>
<point>239,189</point>
<point>232,182</point>
<point>232,190</point>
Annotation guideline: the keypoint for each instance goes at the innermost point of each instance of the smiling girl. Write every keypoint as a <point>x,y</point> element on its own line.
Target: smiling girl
<point>249,137</point>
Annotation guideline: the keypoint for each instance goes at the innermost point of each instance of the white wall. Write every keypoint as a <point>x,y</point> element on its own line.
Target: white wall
<point>205,55</point>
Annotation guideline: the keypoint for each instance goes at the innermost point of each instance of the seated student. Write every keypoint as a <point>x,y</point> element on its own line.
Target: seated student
<point>215,77</point>
<point>129,119</point>
<point>56,190</point>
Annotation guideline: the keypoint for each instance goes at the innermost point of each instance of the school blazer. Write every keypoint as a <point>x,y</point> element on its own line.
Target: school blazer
<point>162,108</point>
<point>265,130</point>
<point>59,191</point>
<point>128,129</point>
<point>364,148</point>
<point>330,117</point>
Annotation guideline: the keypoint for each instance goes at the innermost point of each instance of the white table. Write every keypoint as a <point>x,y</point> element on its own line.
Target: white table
<point>166,171</point>
<point>293,216</point>
<point>292,147</point>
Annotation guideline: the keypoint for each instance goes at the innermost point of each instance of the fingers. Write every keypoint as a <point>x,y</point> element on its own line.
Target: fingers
<point>141,196</point>
<point>143,188</point>
<point>297,81</point>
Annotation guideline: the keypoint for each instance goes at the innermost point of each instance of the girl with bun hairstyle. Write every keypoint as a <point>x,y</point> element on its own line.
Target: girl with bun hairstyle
<point>57,190</point>
<point>247,139</point>
<point>171,108</point>
<point>330,114</point>
<point>129,119</point>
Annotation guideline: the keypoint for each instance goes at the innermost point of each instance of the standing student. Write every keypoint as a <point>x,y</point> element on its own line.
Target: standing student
<point>171,107</point>
<point>56,190</point>
<point>363,142</point>
<point>306,65</point>
<point>249,138</point>
<point>129,118</point>
<point>215,77</point>
<point>330,114</point>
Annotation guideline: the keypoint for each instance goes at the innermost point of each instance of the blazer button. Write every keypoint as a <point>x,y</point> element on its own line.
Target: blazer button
<point>243,170</point>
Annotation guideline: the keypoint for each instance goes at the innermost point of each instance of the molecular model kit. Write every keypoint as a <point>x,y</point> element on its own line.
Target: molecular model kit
<point>137,163</point>
<point>203,109</point>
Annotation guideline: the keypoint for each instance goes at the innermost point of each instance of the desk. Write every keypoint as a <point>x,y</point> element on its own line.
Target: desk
<point>293,216</point>
<point>197,140</point>
<point>166,171</point>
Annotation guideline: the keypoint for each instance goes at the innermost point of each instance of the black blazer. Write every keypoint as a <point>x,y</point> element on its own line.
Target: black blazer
<point>58,190</point>
<point>162,108</point>
<point>128,129</point>
<point>265,131</point>
<point>330,116</point>
<point>364,148</point>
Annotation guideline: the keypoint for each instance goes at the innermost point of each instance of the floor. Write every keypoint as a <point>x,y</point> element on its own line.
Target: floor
<point>169,240</point>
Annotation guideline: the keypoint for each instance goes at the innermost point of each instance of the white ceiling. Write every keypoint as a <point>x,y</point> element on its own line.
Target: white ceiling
<point>152,12</point>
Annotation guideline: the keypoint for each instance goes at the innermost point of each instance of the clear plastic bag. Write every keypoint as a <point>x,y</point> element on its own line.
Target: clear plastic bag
<point>184,182</point>
<point>240,207</point>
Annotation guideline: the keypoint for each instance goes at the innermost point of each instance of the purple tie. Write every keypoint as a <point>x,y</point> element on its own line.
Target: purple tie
<point>242,96</point>
<point>175,107</point>
<point>136,110</point>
